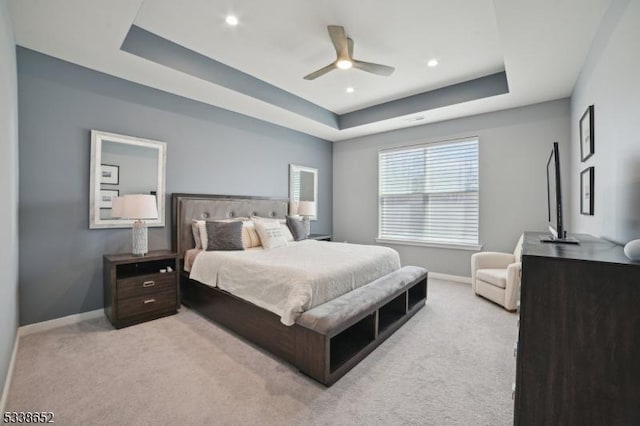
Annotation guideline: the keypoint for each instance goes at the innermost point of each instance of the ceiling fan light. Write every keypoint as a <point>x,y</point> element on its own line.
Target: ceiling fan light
<point>344,64</point>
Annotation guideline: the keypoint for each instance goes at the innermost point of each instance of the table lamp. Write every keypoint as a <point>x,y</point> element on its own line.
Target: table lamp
<point>307,209</point>
<point>293,208</point>
<point>137,207</point>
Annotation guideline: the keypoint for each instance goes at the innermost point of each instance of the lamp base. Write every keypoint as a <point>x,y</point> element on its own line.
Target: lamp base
<point>307,224</point>
<point>139,238</point>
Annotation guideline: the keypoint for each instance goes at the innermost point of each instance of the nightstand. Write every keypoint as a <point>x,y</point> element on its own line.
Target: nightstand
<point>136,291</point>
<point>320,237</point>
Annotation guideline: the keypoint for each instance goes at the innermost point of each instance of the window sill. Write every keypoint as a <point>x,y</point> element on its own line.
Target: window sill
<point>470,247</point>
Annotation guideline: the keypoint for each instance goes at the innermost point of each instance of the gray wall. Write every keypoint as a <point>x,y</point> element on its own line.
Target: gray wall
<point>8,192</point>
<point>514,148</point>
<point>609,80</point>
<point>209,150</point>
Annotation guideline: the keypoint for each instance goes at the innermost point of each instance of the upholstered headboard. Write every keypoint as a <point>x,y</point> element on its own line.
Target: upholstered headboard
<point>186,207</point>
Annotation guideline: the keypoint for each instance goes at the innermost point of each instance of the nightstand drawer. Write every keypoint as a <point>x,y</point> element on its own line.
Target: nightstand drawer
<point>145,285</point>
<point>146,304</point>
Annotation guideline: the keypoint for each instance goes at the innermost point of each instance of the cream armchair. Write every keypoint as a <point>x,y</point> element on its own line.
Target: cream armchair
<point>496,276</point>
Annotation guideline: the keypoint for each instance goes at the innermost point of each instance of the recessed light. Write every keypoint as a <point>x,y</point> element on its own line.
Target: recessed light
<point>432,63</point>
<point>231,20</point>
<point>350,90</point>
<point>344,64</point>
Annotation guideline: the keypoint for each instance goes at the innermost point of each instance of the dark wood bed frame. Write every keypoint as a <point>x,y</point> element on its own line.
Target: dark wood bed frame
<point>325,358</point>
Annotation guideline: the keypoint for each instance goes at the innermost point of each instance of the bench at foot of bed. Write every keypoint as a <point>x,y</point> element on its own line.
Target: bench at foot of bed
<point>328,340</point>
<point>333,337</point>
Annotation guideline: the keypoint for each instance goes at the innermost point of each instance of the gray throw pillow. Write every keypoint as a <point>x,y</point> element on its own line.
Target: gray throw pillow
<point>297,228</point>
<point>224,235</point>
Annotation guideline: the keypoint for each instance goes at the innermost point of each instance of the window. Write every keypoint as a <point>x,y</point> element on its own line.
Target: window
<point>429,193</point>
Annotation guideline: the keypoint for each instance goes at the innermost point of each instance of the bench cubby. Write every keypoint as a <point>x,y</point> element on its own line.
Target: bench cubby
<point>350,327</point>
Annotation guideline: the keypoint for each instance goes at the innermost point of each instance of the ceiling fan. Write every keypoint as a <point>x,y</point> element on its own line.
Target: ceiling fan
<point>344,53</point>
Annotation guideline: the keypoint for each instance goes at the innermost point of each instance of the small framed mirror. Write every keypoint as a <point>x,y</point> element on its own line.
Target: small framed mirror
<point>122,165</point>
<point>303,185</point>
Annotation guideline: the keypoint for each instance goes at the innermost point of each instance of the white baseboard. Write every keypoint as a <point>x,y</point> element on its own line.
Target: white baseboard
<point>59,322</point>
<point>7,381</point>
<point>447,277</point>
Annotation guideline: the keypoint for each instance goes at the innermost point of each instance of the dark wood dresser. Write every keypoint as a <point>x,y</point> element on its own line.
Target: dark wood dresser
<point>578,350</point>
<point>136,291</point>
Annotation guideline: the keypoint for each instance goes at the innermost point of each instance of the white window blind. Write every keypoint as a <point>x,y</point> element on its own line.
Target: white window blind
<point>295,183</point>
<point>430,193</point>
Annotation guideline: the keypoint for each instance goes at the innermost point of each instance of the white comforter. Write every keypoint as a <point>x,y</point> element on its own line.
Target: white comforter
<point>292,279</point>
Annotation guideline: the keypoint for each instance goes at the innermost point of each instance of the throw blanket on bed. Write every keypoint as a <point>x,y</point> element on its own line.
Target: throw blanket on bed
<point>292,279</point>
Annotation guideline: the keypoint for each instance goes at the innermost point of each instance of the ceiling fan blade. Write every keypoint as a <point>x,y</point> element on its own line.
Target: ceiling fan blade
<point>320,72</point>
<point>339,39</point>
<point>373,68</point>
<point>350,46</point>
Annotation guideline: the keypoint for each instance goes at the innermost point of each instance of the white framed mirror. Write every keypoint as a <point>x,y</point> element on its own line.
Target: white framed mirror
<point>303,185</point>
<point>122,165</point>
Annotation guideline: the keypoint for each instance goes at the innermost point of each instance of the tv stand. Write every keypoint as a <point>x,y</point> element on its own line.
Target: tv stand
<point>552,239</point>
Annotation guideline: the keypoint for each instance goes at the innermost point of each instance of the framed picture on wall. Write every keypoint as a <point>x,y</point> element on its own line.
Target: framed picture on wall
<point>586,191</point>
<point>586,134</point>
<point>106,197</point>
<point>109,174</point>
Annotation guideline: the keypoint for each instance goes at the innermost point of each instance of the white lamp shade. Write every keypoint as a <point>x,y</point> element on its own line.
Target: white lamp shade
<point>293,208</point>
<point>117,203</point>
<point>139,206</point>
<point>307,208</point>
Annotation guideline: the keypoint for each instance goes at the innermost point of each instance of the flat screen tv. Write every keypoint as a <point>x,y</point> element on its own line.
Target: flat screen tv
<point>554,201</point>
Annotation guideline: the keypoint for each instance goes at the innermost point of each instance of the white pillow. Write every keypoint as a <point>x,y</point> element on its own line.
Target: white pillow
<point>283,222</point>
<point>271,233</point>
<point>250,236</point>
<point>204,237</point>
<point>287,232</point>
<point>195,230</point>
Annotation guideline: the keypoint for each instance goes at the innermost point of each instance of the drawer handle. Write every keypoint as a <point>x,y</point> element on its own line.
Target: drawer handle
<point>148,284</point>
<point>149,301</point>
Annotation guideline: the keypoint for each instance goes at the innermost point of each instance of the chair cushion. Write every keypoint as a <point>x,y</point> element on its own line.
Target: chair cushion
<point>497,277</point>
<point>331,315</point>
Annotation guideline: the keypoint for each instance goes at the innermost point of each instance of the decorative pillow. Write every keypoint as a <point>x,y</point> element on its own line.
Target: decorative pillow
<point>202,227</point>
<point>250,236</point>
<point>204,239</point>
<point>298,228</point>
<point>195,230</point>
<point>271,233</point>
<point>224,235</point>
<point>287,233</point>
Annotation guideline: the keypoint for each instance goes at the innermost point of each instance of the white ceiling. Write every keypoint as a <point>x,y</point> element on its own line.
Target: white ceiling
<point>541,44</point>
<point>282,41</point>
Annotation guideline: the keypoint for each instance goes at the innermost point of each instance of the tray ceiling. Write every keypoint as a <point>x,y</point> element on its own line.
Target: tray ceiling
<point>540,46</point>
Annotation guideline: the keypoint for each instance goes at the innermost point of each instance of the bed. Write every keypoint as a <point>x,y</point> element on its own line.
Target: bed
<point>340,311</point>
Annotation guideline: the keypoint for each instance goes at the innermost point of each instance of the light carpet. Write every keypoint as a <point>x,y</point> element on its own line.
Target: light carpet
<point>451,364</point>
